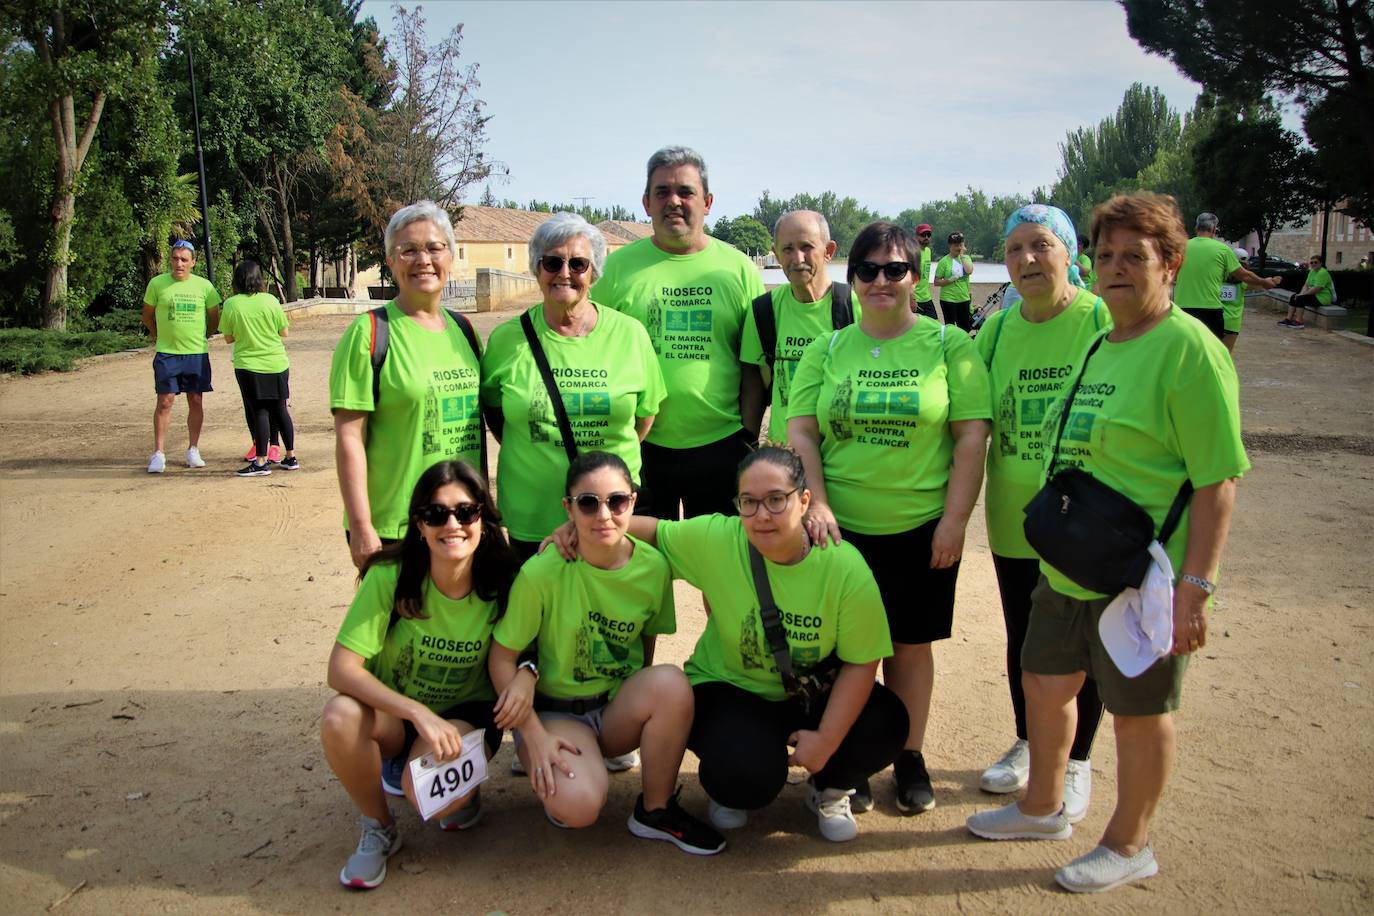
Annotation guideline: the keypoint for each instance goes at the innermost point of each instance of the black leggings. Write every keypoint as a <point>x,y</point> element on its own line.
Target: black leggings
<point>1016,579</point>
<point>958,314</point>
<point>264,416</point>
<point>741,740</point>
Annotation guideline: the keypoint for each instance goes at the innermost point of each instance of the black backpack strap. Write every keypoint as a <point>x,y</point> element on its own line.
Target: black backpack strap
<point>377,347</point>
<point>1166,530</point>
<point>767,324</point>
<point>1068,402</point>
<point>541,360</point>
<point>772,621</point>
<point>469,332</point>
<point>841,306</point>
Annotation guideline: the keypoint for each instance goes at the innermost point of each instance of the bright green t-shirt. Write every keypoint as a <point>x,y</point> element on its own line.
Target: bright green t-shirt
<point>1030,365</point>
<point>439,660</point>
<point>884,409</point>
<point>1207,263</point>
<point>181,309</point>
<point>1149,414</point>
<point>428,411</point>
<point>828,602</point>
<point>797,324</point>
<point>922,289</point>
<point>1232,306</point>
<point>1085,271</point>
<point>608,379</point>
<point>1320,278</point>
<point>255,322</point>
<point>693,307</point>
<point>958,290</point>
<point>590,622</point>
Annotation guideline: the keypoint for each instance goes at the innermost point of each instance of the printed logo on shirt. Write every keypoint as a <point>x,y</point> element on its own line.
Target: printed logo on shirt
<point>603,648</point>
<point>681,322</point>
<point>434,670</point>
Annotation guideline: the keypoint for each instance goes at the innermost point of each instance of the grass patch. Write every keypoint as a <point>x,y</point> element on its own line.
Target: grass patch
<point>29,350</point>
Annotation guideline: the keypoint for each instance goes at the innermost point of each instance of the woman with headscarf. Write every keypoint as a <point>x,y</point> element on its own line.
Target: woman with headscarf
<point>1030,350</point>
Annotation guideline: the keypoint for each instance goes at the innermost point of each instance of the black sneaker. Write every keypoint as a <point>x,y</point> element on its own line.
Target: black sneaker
<point>252,469</point>
<point>289,464</point>
<point>914,792</point>
<point>676,826</point>
<point>862,799</point>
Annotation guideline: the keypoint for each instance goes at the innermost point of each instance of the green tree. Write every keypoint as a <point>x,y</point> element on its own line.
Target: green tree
<point>745,233</point>
<point>845,215</point>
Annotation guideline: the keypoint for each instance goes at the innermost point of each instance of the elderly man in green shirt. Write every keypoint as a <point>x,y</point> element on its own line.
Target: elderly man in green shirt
<point>1209,262</point>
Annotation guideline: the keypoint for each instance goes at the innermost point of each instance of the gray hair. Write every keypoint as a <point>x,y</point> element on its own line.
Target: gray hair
<point>425,210</point>
<point>817,215</point>
<point>562,228</point>
<point>671,156</point>
<point>1206,220</point>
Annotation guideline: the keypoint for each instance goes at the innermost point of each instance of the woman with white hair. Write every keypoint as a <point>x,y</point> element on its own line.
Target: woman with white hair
<point>603,384</point>
<point>403,385</point>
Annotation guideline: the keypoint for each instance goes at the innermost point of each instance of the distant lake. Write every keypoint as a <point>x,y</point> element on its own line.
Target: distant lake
<point>983,272</point>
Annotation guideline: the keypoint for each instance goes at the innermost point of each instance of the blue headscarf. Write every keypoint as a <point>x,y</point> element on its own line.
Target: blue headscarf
<point>1058,222</point>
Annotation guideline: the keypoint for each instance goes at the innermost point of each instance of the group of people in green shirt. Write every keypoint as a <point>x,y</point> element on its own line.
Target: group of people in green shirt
<point>628,404</point>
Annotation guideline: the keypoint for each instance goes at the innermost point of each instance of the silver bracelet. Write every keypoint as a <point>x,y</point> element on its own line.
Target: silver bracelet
<point>1208,587</point>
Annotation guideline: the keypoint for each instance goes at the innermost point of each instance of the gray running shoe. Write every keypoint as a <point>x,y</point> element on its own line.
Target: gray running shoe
<point>1011,771</point>
<point>366,868</point>
<point>464,817</point>
<point>723,818</point>
<point>1102,869</point>
<point>1009,823</point>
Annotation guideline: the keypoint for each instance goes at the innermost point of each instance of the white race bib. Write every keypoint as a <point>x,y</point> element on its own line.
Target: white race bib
<point>1229,292</point>
<point>438,785</point>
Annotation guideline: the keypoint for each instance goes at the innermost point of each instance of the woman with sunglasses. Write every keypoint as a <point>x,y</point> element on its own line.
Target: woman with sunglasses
<point>604,367</point>
<point>952,275</point>
<point>890,416</point>
<point>599,692</point>
<point>410,660</point>
<point>1316,291</point>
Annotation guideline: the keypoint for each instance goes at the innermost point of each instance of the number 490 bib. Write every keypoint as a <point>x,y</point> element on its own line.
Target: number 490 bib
<point>438,785</point>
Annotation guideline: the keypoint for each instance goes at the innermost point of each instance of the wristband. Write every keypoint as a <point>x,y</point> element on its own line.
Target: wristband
<point>529,666</point>
<point>1208,587</point>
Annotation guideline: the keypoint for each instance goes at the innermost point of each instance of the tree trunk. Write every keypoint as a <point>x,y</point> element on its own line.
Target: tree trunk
<point>55,289</point>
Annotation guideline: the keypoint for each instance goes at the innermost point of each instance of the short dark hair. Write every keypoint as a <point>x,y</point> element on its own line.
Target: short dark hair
<point>879,236</point>
<point>780,455</point>
<point>587,462</point>
<point>955,238</point>
<point>248,278</point>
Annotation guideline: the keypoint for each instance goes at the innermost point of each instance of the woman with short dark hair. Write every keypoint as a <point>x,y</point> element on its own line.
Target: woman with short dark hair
<point>253,322</point>
<point>1317,290</point>
<point>952,274</point>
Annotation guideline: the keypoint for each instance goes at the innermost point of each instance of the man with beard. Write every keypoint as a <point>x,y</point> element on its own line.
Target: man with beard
<point>925,302</point>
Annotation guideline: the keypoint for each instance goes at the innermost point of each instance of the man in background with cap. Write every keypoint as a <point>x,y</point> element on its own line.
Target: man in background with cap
<point>1209,262</point>
<point>924,302</point>
<point>180,311</point>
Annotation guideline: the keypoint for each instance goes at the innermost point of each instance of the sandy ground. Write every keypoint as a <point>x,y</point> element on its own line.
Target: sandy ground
<point>163,659</point>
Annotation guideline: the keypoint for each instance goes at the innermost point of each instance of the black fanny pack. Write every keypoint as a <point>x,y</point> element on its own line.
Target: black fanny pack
<point>1094,535</point>
<point>812,686</point>
<point>577,706</point>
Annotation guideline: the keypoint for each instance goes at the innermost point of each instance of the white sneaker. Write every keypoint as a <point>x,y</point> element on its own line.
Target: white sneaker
<point>622,763</point>
<point>833,814</point>
<point>1102,869</point>
<point>193,459</point>
<point>1010,823</point>
<point>157,464</point>
<point>1078,790</point>
<point>723,818</point>
<point>1010,773</point>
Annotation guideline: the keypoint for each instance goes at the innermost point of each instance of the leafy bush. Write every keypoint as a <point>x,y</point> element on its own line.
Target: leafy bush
<point>29,350</point>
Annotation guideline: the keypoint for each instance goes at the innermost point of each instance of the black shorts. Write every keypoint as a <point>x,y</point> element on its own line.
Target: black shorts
<point>478,714</point>
<point>919,600</point>
<point>264,386</point>
<point>1215,319</point>
<point>181,373</point>
<point>701,479</point>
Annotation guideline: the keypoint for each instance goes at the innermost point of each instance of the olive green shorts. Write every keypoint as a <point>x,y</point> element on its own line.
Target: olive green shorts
<point>1062,638</point>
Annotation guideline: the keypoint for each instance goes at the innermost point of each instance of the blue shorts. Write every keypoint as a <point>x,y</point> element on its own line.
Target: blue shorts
<point>181,373</point>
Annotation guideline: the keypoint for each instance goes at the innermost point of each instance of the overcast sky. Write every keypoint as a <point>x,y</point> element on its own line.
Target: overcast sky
<point>892,103</point>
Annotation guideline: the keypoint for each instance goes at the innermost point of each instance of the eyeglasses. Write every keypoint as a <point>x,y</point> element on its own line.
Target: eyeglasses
<point>436,515</point>
<point>774,502</point>
<point>410,252</point>
<point>590,503</point>
<point>553,264</point>
<point>923,235</point>
<point>867,271</point>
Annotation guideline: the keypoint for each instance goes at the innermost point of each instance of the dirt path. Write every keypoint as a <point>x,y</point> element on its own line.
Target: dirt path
<point>162,656</point>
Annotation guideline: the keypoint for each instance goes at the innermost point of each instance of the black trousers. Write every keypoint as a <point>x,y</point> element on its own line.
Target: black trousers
<point>959,314</point>
<point>1016,579</point>
<point>741,740</point>
<point>1215,319</point>
<point>265,415</point>
<point>700,480</point>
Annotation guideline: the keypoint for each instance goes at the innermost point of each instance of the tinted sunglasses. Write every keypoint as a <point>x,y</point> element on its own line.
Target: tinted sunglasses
<point>924,235</point>
<point>183,244</point>
<point>867,271</point>
<point>436,516</point>
<point>590,503</point>
<point>553,264</point>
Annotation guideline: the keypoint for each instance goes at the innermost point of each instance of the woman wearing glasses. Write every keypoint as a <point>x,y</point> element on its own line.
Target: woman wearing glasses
<point>603,366</point>
<point>410,660</point>
<point>1316,291</point>
<point>392,422</point>
<point>890,416</point>
<point>599,693</point>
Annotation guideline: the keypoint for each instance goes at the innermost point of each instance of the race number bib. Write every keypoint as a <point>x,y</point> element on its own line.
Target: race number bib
<point>438,785</point>
<point>1229,292</point>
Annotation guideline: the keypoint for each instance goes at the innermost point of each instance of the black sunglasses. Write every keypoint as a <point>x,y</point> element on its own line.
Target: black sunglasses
<point>553,264</point>
<point>590,503</point>
<point>436,515</point>
<point>924,235</point>
<point>867,271</point>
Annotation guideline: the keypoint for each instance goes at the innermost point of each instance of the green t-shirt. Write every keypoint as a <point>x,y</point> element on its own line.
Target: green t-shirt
<point>958,290</point>
<point>1030,365</point>
<point>1207,263</point>
<point>181,310</point>
<point>256,322</point>
<point>884,409</point>
<point>693,307</point>
<point>1232,306</point>
<point>922,288</point>
<point>1320,278</point>
<point>590,622</point>
<point>1149,414</point>
<point>428,412</point>
<point>1085,271</point>
<point>828,602</point>
<point>439,660</point>
<point>608,379</point>
<point>797,324</point>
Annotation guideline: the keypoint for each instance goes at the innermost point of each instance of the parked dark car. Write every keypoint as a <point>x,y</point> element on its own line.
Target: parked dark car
<point>1272,263</point>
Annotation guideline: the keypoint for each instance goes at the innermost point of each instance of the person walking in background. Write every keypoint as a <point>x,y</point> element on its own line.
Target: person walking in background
<point>1086,276</point>
<point>925,304</point>
<point>180,311</point>
<point>252,321</point>
<point>952,276</point>
<point>1317,290</point>
<point>1208,263</point>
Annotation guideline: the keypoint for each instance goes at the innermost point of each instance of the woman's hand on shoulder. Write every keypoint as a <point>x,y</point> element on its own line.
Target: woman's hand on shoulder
<point>441,734</point>
<point>821,525</point>
<point>564,540</point>
<point>516,701</point>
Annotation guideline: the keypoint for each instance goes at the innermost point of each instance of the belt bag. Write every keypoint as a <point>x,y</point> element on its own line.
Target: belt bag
<point>812,686</point>
<point>1097,537</point>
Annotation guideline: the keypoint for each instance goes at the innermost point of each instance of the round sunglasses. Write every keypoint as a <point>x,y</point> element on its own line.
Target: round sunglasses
<point>867,271</point>
<point>436,515</point>
<point>553,264</point>
<point>590,503</point>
